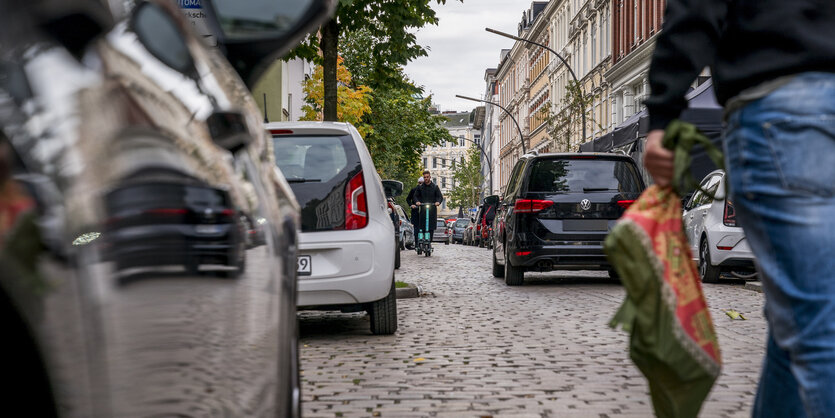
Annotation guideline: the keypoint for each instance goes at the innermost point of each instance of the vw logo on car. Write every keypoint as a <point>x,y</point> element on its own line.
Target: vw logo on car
<point>585,204</point>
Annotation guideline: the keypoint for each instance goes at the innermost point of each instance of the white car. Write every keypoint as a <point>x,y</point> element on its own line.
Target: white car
<point>717,242</point>
<point>347,242</point>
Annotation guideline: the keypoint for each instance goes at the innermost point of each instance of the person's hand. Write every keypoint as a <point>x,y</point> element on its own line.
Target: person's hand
<point>437,204</point>
<point>413,206</point>
<point>417,203</point>
<point>657,159</point>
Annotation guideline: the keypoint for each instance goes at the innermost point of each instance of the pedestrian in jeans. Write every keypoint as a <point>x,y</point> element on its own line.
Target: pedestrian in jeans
<point>773,65</point>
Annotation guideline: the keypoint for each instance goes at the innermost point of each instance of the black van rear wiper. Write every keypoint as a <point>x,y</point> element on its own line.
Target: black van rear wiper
<point>596,189</point>
<point>297,180</point>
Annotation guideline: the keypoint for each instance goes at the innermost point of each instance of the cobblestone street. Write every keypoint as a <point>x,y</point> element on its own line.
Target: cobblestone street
<point>473,347</point>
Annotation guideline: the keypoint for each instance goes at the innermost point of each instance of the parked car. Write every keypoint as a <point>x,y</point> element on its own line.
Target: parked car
<point>458,229</point>
<point>485,222</point>
<point>469,231</point>
<point>475,236</point>
<point>135,151</point>
<point>347,245</point>
<point>441,233</point>
<point>558,209</point>
<point>395,219</point>
<point>407,230</point>
<point>718,244</point>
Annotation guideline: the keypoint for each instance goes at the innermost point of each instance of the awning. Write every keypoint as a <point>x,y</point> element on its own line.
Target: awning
<point>703,111</point>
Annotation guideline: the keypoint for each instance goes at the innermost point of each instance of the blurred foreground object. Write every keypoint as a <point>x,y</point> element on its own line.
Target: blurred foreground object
<point>673,341</point>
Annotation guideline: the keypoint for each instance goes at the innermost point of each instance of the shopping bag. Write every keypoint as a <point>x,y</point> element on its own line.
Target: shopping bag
<point>672,341</point>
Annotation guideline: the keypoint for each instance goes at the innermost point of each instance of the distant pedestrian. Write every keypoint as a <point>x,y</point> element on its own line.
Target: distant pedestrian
<point>410,200</point>
<point>773,64</point>
<point>429,193</point>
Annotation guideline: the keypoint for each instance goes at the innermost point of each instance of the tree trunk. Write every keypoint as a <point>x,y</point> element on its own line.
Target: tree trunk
<point>328,44</point>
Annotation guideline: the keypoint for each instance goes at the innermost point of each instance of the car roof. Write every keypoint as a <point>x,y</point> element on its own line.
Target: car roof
<point>309,128</point>
<point>601,155</point>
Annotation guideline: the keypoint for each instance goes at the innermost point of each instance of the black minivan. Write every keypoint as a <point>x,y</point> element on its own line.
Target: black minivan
<point>557,210</point>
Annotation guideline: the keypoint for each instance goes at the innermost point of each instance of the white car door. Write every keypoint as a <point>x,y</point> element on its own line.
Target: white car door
<point>699,212</point>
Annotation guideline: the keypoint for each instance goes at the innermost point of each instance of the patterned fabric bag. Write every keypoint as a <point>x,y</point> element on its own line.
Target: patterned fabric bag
<point>672,340</point>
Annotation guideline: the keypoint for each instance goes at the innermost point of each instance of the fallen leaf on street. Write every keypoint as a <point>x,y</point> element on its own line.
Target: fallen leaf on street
<point>734,314</point>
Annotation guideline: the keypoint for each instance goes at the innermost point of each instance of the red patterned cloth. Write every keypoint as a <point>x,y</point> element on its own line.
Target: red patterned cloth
<point>673,341</point>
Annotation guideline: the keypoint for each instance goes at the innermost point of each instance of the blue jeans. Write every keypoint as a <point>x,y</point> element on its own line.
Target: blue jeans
<point>780,153</point>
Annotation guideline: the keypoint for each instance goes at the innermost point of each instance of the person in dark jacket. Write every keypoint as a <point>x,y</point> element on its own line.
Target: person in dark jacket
<point>773,64</point>
<point>410,200</point>
<point>429,193</point>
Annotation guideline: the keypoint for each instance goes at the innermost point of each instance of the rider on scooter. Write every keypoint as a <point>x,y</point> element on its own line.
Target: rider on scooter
<point>428,193</point>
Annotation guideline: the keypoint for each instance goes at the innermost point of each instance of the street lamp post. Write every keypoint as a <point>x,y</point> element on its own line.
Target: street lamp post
<point>521,137</point>
<point>570,70</point>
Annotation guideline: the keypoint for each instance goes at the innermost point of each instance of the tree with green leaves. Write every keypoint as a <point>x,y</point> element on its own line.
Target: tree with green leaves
<point>563,124</point>
<point>390,24</point>
<point>468,179</point>
<point>401,125</point>
<point>354,100</point>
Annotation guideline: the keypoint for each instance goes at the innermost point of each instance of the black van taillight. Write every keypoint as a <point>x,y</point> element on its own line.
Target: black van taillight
<point>626,203</point>
<point>531,205</point>
<point>729,217</point>
<point>356,205</point>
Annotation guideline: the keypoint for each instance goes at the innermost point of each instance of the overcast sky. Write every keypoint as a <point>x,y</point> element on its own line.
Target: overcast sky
<point>460,49</point>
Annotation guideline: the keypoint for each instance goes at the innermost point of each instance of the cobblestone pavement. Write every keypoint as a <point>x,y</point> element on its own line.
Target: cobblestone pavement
<point>473,347</point>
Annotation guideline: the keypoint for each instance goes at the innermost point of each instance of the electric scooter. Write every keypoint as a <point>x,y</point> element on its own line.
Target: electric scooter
<point>424,244</point>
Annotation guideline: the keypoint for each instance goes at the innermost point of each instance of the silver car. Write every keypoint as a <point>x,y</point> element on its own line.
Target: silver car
<point>717,242</point>
<point>407,230</point>
<point>148,262</point>
<point>347,244</point>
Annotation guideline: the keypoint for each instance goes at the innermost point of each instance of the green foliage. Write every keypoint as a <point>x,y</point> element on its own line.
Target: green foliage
<point>399,121</point>
<point>376,38</point>
<point>468,180</point>
<point>352,101</point>
<point>401,127</point>
<point>390,26</point>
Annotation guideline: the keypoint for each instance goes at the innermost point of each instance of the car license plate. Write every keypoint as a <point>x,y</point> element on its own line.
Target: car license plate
<point>207,229</point>
<point>585,225</point>
<point>304,267</point>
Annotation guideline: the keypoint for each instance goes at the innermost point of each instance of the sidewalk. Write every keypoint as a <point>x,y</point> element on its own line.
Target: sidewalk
<point>755,286</point>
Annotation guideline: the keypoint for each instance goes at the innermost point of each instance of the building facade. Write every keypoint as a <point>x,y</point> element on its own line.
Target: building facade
<point>582,30</point>
<point>279,92</point>
<point>513,76</point>
<point>635,27</point>
<point>491,131</point>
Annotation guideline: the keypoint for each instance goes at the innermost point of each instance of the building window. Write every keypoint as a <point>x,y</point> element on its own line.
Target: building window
<point>585,52</point>
<point>443,182</point>
<point>434,162</point>
<point>424,162</point>
<point>593,43</point>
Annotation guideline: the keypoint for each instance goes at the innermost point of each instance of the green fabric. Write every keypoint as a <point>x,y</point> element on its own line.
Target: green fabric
<point>678,383</point>
<point>681,138</point>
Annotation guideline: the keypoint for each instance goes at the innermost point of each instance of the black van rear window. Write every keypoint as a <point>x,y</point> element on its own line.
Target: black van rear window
<point>565,175</point>
<point>318,169</point>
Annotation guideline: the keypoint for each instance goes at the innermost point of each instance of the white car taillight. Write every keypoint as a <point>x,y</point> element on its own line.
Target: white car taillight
<point>356,205</point>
